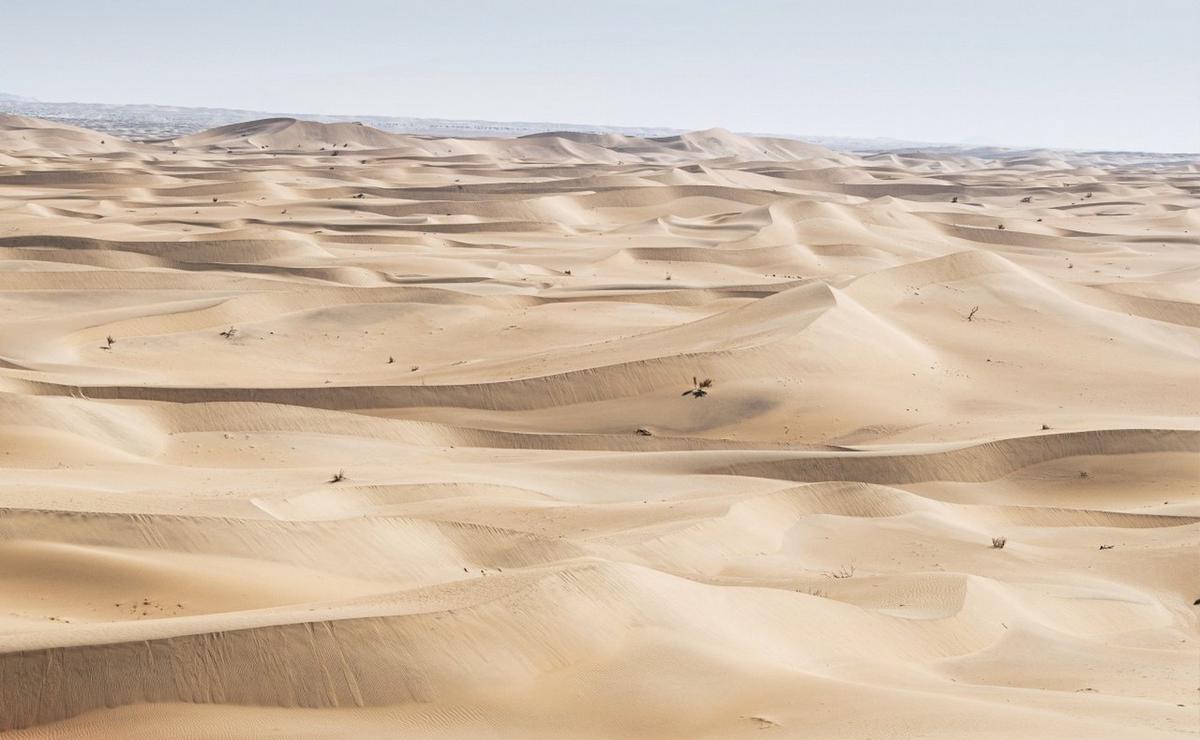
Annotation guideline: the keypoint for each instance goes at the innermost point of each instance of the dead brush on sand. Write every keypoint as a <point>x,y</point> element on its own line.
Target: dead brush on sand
<point>999,542</point>
<point>699,388</point>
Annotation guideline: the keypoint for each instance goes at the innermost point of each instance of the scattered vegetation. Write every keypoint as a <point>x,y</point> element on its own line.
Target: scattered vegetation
<point>1000,226</point>
<point>229,333</point>
<point>1083,474</point>
<point>971,316</point>
<point>391,360</point>
<point>1045,427</point>
<point>1027,199</point>
<point>763,722</point>
<point>644,432</point>
<point>954,199</point>
<point>108,342</point>
<point>1107,547</point>
<point>338,477</point>
<point>846,571</point>
<point>999,542</point>
<point>699,388</point>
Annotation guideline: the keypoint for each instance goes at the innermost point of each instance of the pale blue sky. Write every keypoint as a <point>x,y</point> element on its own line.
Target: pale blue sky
<point>1069,73</point>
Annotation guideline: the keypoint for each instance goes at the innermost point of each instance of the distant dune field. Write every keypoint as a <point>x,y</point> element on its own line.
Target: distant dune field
<point>319,430</point>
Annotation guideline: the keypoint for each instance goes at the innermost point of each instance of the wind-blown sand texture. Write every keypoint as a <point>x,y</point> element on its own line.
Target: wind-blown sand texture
<point>538,534</point>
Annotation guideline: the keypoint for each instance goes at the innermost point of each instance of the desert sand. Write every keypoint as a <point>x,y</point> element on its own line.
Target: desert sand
<point>539,527</point>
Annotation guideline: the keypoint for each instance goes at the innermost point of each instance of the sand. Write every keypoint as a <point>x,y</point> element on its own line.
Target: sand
<point>538,531</point>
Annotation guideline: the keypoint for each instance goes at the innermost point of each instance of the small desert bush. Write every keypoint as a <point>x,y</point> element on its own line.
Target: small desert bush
<point>699,388</point>
<point>846,571</point>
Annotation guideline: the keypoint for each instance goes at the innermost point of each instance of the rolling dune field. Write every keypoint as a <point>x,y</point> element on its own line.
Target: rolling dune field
<point>318,430</point>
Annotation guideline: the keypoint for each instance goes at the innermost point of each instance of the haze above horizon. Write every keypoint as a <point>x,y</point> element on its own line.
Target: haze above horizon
<point>1083,75</point>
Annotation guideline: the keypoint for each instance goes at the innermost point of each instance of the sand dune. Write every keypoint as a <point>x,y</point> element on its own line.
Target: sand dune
<point>539,533</point>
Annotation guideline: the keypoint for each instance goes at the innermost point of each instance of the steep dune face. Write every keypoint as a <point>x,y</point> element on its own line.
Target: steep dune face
<point>321,430</point>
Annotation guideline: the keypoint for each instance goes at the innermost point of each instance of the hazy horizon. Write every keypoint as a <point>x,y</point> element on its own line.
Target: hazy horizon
<point>1076,75</point>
